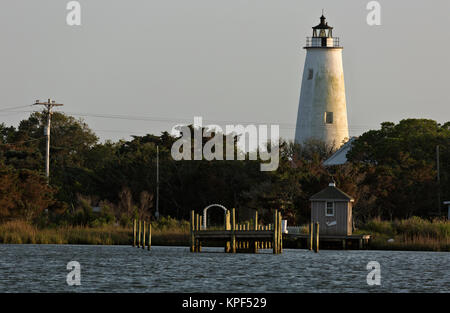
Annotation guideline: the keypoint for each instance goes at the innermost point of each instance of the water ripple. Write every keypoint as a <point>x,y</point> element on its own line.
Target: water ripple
<point>42,268</point>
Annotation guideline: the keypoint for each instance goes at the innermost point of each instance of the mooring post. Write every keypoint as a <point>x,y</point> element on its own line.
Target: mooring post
<point>239,242</point>
<point>227,227</point>
<point>200,225</point>
<point>311,235</point>
<point>192,232</point>
<point>317,237</point>
<point>275,232</point>
<point>197,228</point>
<point>267,244</point>
<point>143,235</point>
<point>134,233</point>
<point>149,235</point>
<point>233,229</point>
<point>255,227</point>
<point>247,243</point>
<point>280,234</point>
<point>139,234</point>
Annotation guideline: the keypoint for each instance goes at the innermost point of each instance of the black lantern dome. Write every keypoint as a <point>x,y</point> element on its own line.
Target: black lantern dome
<point>322,30</point>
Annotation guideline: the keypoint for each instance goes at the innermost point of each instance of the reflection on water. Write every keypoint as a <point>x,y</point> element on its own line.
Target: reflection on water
<point>42,268</point>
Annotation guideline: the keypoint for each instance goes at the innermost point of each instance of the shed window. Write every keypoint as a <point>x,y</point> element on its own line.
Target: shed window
<point>329,209</point>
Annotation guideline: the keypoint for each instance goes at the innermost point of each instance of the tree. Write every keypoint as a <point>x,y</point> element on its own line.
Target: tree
<point>399,167</point>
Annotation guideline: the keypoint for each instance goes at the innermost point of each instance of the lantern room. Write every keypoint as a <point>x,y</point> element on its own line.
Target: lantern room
<point>322,36</point>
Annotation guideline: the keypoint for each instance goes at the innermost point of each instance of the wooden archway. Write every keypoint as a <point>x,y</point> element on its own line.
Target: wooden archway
<point>205,211</point>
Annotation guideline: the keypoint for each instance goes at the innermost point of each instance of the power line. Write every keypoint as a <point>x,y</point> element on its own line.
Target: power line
<point>12,108</point>
<point>21,142</point>
<point>354,128</point>
<point>179,120</point>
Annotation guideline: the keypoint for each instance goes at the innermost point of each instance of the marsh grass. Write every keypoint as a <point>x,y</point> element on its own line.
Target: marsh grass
<point>411,234</point>
<point>21,232</point>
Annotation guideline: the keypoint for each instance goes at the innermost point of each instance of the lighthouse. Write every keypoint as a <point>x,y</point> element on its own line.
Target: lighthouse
<point>322,112</point>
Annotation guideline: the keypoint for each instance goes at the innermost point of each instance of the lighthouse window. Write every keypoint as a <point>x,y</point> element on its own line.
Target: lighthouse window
<point>329,117</point>
<point>310,73</point>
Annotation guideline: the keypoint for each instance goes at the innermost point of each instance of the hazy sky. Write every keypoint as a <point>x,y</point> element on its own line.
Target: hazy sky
<point>154,63</point>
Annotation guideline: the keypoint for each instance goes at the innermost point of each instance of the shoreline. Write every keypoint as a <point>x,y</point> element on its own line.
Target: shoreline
<point>406,235</point>
<point>187,246</point>
<point>287,245</point>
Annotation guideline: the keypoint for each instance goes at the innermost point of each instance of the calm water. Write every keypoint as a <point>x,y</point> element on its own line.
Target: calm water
<point>42,268</point>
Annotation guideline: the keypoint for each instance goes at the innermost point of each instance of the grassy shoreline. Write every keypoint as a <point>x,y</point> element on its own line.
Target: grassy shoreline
<point>19,232</point>
<point>413,234</point>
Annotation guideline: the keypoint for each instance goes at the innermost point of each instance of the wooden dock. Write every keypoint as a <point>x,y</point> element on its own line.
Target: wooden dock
<point>334,241</point>
<point>236,238</point>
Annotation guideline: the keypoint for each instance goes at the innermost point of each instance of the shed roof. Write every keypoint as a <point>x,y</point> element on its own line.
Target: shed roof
<point>331,193</point>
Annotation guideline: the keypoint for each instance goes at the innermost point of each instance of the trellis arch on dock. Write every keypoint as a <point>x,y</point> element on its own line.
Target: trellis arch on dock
<point>205,211</point>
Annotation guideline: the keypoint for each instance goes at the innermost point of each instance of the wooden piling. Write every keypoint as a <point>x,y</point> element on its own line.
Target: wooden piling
<point>134,233</point>
<point>275,232</point>
<point>317,238</point>
<point>149,235</point>
<point>139,234</point>
<point>227,227</point>
<point>247,243</point>
<point>192,232</point>
<point>233,229</point>
<point>241,242</point>
<point>253,246</point>
<point>197,228</point>
<point>280,234</point>
<point>311,235</point>
<point>255,227</point>
<point>143,235</point>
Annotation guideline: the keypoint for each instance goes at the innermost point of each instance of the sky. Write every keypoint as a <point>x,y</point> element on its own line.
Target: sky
<point>143,66</point>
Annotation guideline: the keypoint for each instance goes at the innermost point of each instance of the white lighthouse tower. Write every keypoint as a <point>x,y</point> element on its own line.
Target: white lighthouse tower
<point>322,112</point>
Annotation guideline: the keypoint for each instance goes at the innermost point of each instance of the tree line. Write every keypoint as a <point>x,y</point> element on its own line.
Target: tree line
<point>391,173</point>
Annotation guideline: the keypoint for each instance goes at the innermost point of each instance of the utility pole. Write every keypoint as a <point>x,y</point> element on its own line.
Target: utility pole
<point>157,183</point>
<point>48,105</point>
